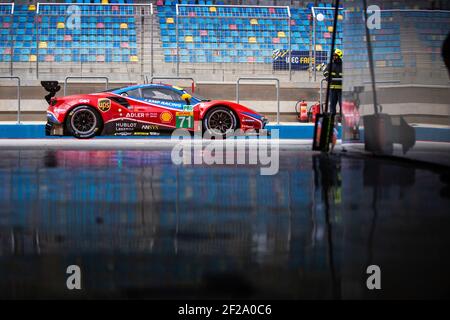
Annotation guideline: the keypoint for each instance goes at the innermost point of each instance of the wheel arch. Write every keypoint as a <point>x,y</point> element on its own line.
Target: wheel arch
<point>66,116</point>
<point>222,105</point>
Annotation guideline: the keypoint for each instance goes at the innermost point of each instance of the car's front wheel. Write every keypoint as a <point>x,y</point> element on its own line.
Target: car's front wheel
<point>84,122</point>
<point>220,121</point>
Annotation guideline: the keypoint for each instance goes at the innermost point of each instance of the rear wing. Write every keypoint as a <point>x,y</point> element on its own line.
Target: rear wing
<point>52,87</point>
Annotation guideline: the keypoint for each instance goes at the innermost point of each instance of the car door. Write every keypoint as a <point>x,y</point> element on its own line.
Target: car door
<point>144,117</point>
<point>169,102</point>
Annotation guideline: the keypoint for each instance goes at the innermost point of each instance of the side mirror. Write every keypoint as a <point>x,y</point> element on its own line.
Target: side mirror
<point>187,97</point>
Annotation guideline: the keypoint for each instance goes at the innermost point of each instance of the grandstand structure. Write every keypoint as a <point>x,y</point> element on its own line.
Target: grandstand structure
<point>211,40</point>
<point>57,39</point>
<point>406,50</point>
<point>127,40</point>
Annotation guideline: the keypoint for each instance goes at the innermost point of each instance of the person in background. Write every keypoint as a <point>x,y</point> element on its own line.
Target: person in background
<point>335,85</point>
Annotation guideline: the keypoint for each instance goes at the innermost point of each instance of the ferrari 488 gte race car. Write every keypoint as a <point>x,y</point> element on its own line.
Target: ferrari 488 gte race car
<point>144,110</point>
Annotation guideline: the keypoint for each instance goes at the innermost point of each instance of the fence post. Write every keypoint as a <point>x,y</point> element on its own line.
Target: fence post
<point>37,40</point>
<point>18,100</point>
<point>142,43</point>
<point>152,46</point>
<point>178,45</point>
<point>290,49</point>
<point>11,38</point>
<point>314,46</point>
<point>262,79</point>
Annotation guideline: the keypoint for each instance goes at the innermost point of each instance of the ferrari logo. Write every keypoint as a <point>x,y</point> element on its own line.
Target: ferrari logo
<point>104,105</point>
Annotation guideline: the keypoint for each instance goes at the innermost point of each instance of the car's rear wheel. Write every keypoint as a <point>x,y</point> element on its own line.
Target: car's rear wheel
<point>220,121</point>
<point>84,122</point>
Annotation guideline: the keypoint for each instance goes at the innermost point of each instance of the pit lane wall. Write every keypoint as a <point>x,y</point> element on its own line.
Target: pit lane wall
<point>36,130</point>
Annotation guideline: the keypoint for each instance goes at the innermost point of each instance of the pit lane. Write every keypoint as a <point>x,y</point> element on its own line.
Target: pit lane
<point>140,226</point>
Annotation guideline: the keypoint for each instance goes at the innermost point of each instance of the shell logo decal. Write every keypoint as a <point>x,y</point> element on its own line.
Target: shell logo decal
<point>104,104</point>
<point>166,116</point>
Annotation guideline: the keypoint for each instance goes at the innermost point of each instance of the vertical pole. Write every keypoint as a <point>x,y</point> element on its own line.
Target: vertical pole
<point>11,38</point>
<point>369,54</point>
<point>178,48</point>
<point>290,50</point>
<point>331,64</point>
<point>237,91</point>
<point>314,48</point>
<point>18,100</point>
<point>37,40</point>
<point>152,49</point>
<point>37,48</point>
<point>278,101</point>
<point>310,53</point>
<point>142,41</point>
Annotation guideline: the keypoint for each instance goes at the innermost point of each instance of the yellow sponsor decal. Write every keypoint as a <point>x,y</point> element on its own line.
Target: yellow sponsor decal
<point>166,116</point>
<point>185,114</point>
<point>178,88</point>
<point>104,104</point>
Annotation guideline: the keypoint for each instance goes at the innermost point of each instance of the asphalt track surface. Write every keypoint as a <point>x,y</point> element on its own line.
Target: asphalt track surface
<point>140,226</point>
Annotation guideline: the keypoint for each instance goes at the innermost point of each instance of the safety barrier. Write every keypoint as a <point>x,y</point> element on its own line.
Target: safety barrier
<point>262,79</point>
<point>80,77</point>
<point>18,93</point>
<point>37,131</point>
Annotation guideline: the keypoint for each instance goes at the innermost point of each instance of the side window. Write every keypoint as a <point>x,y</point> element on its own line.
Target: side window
<point>160,94</point>
<point>133,93</point>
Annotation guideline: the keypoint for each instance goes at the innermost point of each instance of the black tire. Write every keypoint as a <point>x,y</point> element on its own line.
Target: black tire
<point>220,121</point>
<point>84,122</point>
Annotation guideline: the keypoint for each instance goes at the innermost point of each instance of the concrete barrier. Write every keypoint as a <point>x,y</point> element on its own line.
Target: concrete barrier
<point>36,130</point>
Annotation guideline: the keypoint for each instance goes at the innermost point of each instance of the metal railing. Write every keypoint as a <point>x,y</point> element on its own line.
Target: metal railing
<point>18,93</point>
<point>172,78</point>
<point>261,79</point>
<point>82,77</point>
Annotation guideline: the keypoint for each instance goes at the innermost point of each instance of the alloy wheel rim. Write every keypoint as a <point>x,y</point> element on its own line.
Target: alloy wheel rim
<point>220,122</point>
<point>84,121</point>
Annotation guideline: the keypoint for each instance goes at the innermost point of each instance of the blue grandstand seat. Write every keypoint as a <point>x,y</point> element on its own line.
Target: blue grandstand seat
<point>66,42</point>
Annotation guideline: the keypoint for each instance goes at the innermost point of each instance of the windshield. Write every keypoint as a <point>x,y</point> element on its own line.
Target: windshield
<point>199,97</point>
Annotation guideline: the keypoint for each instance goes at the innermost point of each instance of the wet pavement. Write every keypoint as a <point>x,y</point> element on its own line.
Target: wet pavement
<point>141,227</point>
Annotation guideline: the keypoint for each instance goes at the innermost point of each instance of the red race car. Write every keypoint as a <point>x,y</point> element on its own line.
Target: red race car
<point>144,110</point>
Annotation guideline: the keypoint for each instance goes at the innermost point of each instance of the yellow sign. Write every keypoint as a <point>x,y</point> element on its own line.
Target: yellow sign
<point>104,104</point>
<point>185,114</point>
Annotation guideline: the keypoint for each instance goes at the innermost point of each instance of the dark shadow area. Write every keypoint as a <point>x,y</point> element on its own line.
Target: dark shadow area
<point>140,227</point>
